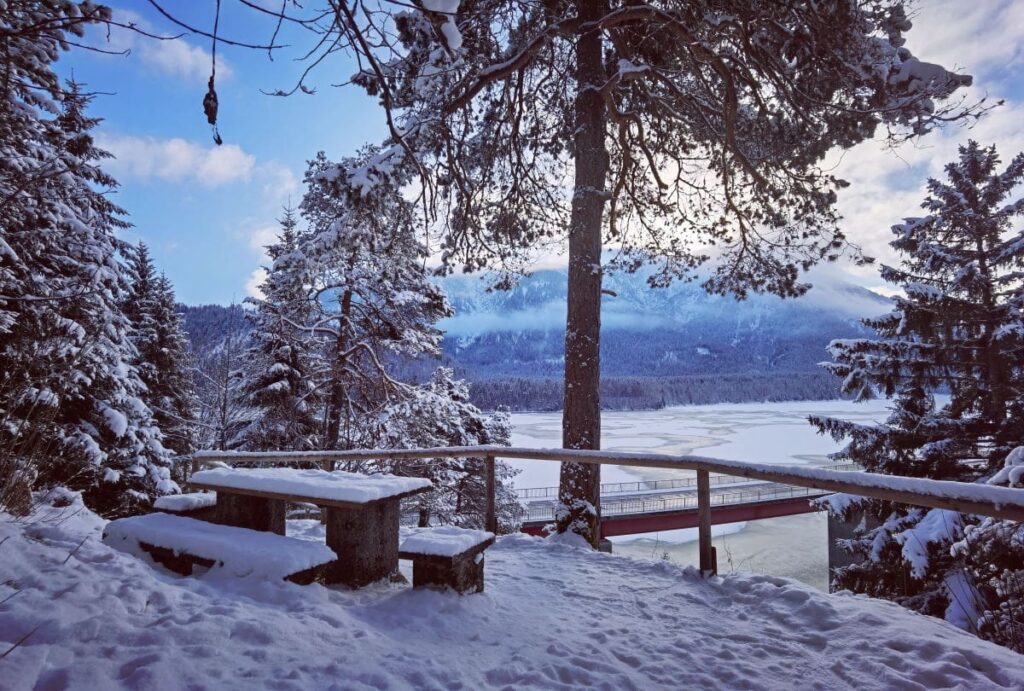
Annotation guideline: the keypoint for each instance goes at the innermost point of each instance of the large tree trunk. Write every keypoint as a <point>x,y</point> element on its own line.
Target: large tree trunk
<point>580,486</point>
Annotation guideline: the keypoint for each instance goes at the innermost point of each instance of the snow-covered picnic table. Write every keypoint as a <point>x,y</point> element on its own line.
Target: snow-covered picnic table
<point>361,512</point>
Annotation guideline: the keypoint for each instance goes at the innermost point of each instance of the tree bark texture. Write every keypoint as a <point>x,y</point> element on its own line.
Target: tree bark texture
<point>580,484</point>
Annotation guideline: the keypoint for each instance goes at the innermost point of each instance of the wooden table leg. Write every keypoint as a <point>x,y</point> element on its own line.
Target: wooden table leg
<point>366,542</point>
<point>255,513</point>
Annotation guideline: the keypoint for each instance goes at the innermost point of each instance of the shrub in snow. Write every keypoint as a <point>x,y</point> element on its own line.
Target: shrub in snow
<point>993,551</point>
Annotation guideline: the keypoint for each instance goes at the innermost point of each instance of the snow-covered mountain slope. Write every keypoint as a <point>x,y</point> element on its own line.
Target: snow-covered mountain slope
<point>679,330</point>
<point>77,614</point>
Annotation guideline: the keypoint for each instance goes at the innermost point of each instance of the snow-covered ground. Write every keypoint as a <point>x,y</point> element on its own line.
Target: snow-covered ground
<point>553,616</point>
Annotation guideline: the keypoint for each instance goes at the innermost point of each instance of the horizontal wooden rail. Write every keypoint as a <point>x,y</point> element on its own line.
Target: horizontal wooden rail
<point>984,500</point>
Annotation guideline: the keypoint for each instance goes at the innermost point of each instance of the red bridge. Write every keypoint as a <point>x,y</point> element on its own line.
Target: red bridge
<point>674,507</point>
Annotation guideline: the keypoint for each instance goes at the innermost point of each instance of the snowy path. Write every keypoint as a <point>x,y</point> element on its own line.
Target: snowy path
<point>553,617</point>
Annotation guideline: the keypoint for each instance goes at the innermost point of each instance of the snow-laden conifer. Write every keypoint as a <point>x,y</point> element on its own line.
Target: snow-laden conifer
<point>958,329</point>
<point>279,371</point>
<point>370,295</point>
<point>163,359</point>
<point>71,408</point>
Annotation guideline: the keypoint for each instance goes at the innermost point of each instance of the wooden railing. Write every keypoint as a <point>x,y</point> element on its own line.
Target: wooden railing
<point>984,500</point>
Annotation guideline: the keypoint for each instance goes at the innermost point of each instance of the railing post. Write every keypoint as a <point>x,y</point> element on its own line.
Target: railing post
<point>708,565</point>
<point>327,465</point>
<point>196,465</point>
<point>490,513</point>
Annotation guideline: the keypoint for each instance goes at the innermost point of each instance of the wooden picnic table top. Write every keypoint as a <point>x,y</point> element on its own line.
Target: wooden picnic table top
<point>337,488</point>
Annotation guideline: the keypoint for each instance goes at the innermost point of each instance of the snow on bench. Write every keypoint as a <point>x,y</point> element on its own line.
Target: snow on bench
<point>318,486</point>
<point>178,543</point>
<point>443,541</point>
<point>446,556</point>
<point>186,503</point>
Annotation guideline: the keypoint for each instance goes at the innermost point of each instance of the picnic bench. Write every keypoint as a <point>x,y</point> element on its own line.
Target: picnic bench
<point>181,543</point>
<point>446,556</point>
<point>243,530</point>
<point>361,512</point>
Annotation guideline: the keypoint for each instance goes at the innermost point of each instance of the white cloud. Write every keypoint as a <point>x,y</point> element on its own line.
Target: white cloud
<point>262,236</point>
<point>985,38</point>
<point>177,160</point>
<point>176,57</point>
<point>254,284</point>
<point>280,183</point>
<point>181,59</point>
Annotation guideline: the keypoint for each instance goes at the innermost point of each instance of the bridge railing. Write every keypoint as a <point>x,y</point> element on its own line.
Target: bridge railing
<point>665,484</point>
<point>998,502</point>
<point>644,505</point>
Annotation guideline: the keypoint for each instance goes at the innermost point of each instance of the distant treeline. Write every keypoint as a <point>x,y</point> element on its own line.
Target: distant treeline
<point>652,393</point>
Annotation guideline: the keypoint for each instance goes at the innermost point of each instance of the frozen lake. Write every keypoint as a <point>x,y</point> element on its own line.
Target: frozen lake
<point>794,546</point>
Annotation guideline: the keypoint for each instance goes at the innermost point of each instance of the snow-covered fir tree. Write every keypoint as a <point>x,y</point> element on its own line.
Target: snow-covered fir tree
<point>163,359</point>
<point>278,382</point>
<point>138,304</point>
<point>440,413</point>
<point>173,402</point>
<point>373,303</point>
<point>958,328</point>
<point>71,410</point>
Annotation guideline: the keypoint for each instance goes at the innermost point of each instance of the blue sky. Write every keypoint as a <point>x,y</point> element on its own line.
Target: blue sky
<point>207,211</point>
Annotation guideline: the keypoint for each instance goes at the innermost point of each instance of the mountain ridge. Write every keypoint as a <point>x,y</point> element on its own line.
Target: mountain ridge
<point>660,346</point>
<point>675,331</point>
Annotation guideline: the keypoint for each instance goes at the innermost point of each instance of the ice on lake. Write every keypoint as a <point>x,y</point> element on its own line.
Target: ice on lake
<point>778,433</point>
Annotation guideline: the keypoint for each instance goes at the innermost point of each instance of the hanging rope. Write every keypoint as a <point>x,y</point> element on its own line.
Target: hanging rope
<point>210,100</point>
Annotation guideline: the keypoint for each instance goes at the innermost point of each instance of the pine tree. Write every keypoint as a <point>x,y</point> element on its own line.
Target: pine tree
<point>959,328</point>
<point>681,125</point>
<point>278,380</point>
<point>173,398</point>
<point>163,360</point>
<point>70,401</point>
<point>370,295</point>
<point>138,305</point>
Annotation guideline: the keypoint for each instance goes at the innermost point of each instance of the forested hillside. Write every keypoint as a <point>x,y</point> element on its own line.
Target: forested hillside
<point>680,330</point>
<point>660,346</point>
